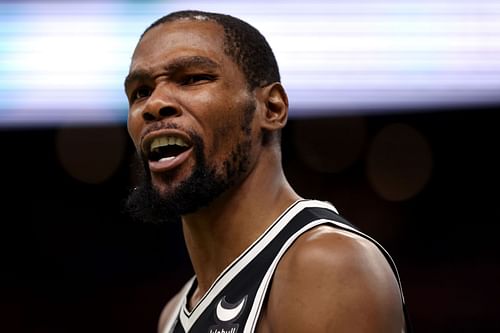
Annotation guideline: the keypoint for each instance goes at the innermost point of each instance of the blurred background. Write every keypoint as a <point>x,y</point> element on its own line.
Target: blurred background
<point>394,119</point>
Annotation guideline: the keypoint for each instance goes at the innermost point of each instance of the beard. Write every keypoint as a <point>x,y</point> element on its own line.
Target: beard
<point>205,183</point>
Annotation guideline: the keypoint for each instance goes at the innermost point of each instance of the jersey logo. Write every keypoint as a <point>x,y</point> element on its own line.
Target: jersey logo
<point>227,312</point>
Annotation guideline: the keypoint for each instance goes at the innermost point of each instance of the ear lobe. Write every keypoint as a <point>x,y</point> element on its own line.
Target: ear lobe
<point>275,114</point>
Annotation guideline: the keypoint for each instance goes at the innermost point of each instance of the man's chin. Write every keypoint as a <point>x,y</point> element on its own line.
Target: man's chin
<point>147,205</point>
<point>166,200</point>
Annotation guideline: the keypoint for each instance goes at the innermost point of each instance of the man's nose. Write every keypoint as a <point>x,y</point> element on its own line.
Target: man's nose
<point>160,105</point>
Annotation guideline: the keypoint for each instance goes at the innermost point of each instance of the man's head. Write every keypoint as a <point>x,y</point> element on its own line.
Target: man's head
<point>203,105</point>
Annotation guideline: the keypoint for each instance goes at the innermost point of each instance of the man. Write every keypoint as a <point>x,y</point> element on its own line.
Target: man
<point>206,110</point>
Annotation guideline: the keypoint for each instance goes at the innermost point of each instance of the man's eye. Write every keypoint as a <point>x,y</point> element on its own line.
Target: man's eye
<point>141,93</point>
<point>196,78</point>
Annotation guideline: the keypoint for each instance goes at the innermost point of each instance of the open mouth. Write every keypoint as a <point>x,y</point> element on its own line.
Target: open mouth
<point>165,148</point>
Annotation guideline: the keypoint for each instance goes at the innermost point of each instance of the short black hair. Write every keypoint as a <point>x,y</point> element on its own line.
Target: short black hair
<point>242,42</point>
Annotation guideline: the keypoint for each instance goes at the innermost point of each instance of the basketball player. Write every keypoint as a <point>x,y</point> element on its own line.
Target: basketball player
<point>206,110</point>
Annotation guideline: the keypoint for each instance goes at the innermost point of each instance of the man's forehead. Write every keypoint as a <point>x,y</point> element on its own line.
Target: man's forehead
<point>203,28</point>
<point>185,35</point>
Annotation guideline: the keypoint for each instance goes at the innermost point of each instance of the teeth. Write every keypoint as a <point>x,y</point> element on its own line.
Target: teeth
<point>167,141</point>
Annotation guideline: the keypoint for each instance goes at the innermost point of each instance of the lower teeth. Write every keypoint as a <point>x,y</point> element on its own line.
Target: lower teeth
<point>166,158</point>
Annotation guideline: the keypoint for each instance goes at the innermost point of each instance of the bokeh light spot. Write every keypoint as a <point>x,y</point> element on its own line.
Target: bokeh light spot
<point>399,162</point>
<point>90,155</point>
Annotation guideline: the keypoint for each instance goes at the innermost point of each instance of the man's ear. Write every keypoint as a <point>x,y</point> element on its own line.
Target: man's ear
<point>275,111</point>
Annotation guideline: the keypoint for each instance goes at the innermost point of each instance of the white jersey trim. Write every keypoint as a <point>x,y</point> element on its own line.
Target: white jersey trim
<point>254,315</point>
<point>172,320</point>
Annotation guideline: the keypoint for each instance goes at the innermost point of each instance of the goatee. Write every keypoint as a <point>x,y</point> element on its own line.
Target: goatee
<point>145,203</point>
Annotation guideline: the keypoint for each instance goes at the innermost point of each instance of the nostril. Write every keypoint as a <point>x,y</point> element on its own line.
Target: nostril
<point>148,116</point>
<point>167,112</point>
<point>164,112</point>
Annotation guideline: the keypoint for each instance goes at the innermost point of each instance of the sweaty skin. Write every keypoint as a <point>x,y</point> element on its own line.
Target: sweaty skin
<point>329,280</point>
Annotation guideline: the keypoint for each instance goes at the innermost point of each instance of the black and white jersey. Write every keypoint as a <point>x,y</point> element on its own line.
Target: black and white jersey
<point>234,301</point>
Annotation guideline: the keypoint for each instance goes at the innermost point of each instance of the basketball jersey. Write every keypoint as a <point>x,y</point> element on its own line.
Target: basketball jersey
<point>234,301</point>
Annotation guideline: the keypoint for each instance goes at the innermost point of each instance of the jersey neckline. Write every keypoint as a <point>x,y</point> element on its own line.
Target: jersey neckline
<point>188,318</point>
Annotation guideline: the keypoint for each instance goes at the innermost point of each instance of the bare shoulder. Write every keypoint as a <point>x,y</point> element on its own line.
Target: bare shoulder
<point>332,280</point>
<point>169,311</point>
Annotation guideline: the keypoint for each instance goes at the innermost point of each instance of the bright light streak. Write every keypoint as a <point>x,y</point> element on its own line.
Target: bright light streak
<point>65,62</point>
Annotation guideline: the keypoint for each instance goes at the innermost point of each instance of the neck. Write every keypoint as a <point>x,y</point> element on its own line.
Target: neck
<point>218,234</point>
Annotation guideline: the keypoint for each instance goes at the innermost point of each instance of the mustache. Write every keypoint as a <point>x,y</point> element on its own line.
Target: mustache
<point>158,126</point>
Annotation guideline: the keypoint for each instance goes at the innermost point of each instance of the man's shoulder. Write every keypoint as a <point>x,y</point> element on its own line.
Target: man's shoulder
<point>332,277</point>
<point>326,249</point>
<point>170,310</point>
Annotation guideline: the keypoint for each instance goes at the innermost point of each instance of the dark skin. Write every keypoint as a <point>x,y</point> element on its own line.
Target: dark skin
<point>329,280</point>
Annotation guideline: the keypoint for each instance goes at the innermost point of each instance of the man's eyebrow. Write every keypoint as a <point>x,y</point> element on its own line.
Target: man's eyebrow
<point>172,67</point>
<point>191,61</point>
<point>136,75</point>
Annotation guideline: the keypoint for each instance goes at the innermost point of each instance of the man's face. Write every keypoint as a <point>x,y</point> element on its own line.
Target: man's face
<point>189,117</point>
